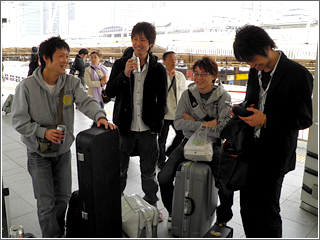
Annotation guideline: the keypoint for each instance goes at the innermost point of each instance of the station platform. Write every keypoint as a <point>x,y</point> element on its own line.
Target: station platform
<point>297,223</point>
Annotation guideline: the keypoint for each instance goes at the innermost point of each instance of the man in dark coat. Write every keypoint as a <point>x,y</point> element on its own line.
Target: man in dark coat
<point>140,106</point>
<point>34,61</point>
<point>279,95</point>
<point>80,66</point>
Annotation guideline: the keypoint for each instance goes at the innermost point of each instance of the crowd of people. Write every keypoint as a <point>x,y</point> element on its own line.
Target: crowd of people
<point>149,98</point>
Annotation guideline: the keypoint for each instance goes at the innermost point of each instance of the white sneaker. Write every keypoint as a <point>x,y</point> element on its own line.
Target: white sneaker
<point>169,223</point>
<point>160,217</point>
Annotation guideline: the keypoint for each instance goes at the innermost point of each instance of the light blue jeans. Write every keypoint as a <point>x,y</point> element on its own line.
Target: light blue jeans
<point>51,179</point>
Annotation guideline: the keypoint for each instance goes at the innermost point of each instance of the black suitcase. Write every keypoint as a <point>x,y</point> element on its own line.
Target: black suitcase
<point>74,220</point>
<point>99,182</point>
<point>7,106</point>
<point>219,231</point>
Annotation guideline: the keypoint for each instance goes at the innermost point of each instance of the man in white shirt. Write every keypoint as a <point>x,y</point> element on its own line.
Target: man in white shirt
<point>141,94</point>
<point>176,85</point>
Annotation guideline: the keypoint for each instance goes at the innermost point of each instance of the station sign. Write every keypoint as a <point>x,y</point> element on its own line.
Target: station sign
<point>242,76</point>
<point>230,77</point>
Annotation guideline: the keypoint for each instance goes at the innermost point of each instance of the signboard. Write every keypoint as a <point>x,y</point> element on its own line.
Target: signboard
<point>242,76</point>
<point>230,77</point>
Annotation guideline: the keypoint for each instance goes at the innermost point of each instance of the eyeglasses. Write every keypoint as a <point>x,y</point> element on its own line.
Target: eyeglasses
<point>203,75</point>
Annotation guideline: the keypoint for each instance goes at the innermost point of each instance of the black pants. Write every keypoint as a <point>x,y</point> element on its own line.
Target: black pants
<point>148,151</point>
<point>260,207</point>
<point>163,138</point>
<point>166,178</point>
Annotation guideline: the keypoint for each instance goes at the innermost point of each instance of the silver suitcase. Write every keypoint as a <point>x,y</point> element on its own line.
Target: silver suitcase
<point>194,200</point>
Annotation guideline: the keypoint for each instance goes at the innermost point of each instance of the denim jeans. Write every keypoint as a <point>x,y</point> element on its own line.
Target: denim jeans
<point>148,150</point>
<point>51,179</point>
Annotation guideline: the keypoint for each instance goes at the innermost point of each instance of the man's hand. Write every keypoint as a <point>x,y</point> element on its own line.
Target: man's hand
<point>257,119</point>
<point>54,135</point>
<point>104,121</point>
<point>211,124</point>
<point>130,66</point>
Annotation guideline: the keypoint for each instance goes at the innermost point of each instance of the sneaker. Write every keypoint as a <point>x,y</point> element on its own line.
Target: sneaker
<point>169,223</point>
<point>160,217</point>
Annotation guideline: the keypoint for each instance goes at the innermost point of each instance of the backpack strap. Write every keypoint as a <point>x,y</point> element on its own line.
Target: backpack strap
<point>196,107</point>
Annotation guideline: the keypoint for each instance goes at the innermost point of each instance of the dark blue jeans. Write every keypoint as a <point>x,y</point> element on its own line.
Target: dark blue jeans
<point>51,179</point>
<point>148,150</point>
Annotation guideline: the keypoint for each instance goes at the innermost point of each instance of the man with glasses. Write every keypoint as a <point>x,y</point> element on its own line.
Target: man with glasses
<point>177,84</point>
<point>215,114</point>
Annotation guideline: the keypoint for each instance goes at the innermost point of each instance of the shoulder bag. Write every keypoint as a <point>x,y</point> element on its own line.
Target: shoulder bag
<point>45,145</point>
<point>105,98</point>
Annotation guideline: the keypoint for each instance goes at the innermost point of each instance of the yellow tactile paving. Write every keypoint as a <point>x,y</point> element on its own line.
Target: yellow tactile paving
<point>301,158</point>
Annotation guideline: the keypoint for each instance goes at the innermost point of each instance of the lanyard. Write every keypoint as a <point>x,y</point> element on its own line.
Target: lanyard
<point>263,94</point>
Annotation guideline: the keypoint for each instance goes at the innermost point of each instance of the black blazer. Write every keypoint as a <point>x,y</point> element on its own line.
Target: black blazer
<point>154,95</point>
<point>288,108</point>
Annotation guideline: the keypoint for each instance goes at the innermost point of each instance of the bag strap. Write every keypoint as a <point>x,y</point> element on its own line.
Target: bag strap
<point>195,105</point>
<point>174,77</point>
<point>60,108</point>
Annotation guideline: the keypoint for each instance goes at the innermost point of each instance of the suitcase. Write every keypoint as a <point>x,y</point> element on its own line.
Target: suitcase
<point>6,107</point>
<point>194,200</point>
<point>74,220</point>
<point>99,182</point>
<point>218,231</point>
<point>139,218</point>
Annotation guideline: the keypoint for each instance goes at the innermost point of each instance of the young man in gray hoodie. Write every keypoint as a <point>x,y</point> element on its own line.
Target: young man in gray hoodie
<point>36,106</point>
<point>211,110</point>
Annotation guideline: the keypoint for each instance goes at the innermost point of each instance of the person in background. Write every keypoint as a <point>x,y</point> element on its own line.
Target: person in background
<point>96,76</point>
<point>177,84</point>
<point>139,106</point>
<point>34,60</point>
<point>36,106</point>
<point>211,99</point>
<point>79,64</point>
<point>273,81</point>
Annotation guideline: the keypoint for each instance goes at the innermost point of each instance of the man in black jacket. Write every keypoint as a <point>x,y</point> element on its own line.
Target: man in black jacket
<point>80,66</point>
<point>141,93</point>
<point>279,95</point>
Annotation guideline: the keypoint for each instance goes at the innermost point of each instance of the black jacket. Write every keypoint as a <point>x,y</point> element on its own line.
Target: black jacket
<point>288,108</point>
<point>154,95</point>
<point>79,65</point>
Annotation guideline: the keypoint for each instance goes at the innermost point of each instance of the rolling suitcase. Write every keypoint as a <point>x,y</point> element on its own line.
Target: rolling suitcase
<point>194,200</point>
<point>219,231</point>
<point>99,182</point>
<point>6,107</point>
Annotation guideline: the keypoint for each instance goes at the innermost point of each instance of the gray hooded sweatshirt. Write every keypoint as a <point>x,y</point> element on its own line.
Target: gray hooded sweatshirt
<point>214,107</point>
<point>34,107</point>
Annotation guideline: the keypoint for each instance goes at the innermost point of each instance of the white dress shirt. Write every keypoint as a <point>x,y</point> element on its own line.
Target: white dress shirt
<point>139,78</point>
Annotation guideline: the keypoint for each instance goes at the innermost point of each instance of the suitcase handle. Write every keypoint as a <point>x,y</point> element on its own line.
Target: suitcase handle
<point>192,206</point>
